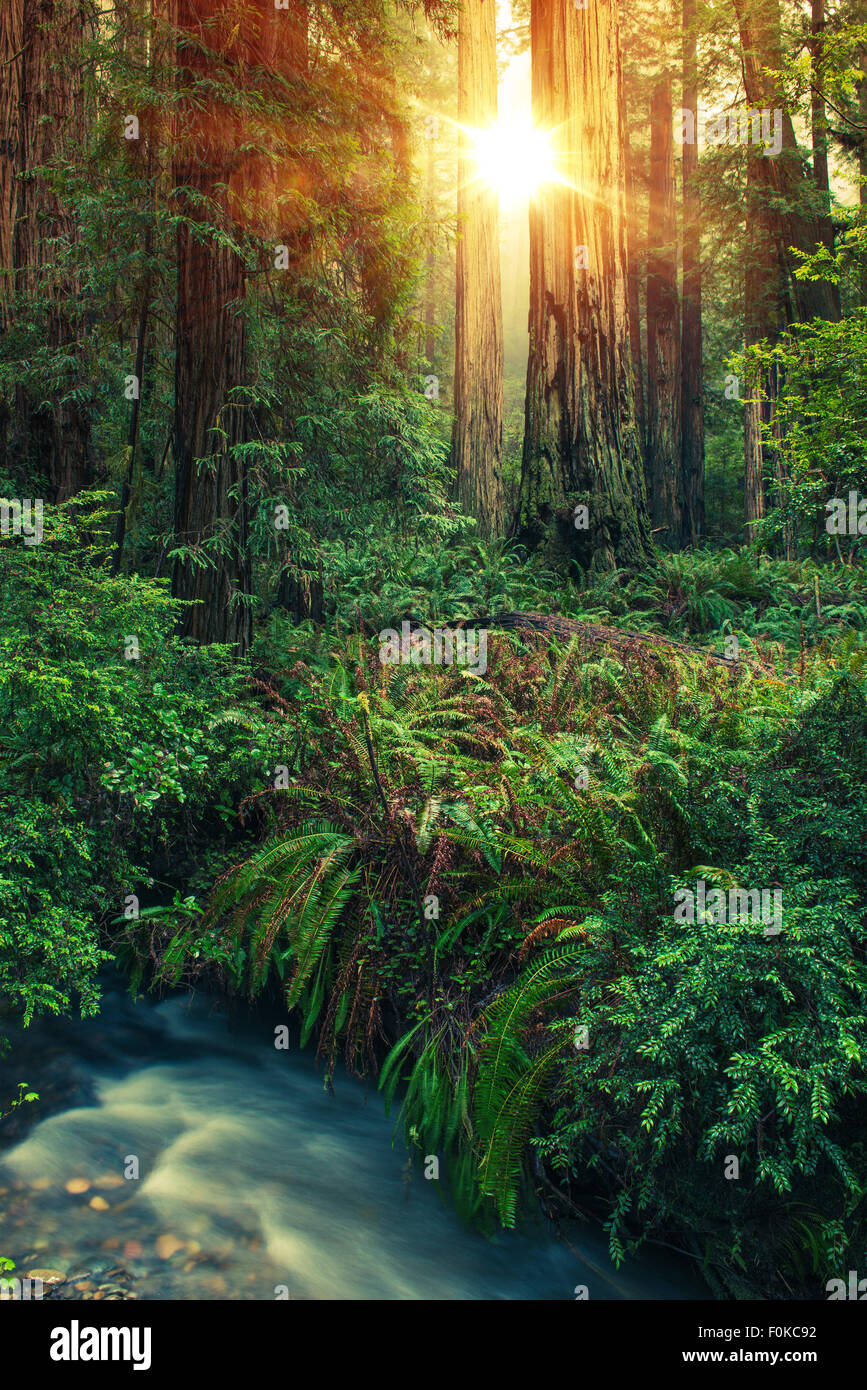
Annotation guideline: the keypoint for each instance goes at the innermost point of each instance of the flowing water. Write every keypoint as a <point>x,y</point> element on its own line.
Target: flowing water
<point>254,1181</point>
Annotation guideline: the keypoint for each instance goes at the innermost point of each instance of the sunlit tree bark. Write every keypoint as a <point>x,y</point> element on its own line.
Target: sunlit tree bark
<point>862,161</point>
<point>580,443</point>
<point>663,466</point>
<point>819,119</point>
<point>692,386</point>
<point>477,436</point>
<point>634,290</point>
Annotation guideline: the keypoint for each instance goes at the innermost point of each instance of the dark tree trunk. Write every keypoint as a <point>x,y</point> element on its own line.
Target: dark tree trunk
<point>779,195</point>
<point>764,317</point>
<point>781,182</point>
<point>11,69</point>
<point>215,44</point>
<point>663,467</point>
<point>43,120</point>
<point>692,392</point>
<point>477,434</point>
<point>580,441</point>
<point>11,151</point>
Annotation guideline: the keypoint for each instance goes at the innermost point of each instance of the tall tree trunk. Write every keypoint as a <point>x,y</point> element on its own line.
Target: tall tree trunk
<point>477,433</point>
<point>691,348</point>
<point>216,42</point>
<point>663,327</point>
<point>764,316</point>
<point>11,152</point>
<point>580,441</point>
<point>44,121</point>
<point>819,117</point>
<point>862,162</point>
<point>779,218</point>
<point>633,238</point>
<point>11,69</point>
<point>782,179</point>
<point>430,260</point>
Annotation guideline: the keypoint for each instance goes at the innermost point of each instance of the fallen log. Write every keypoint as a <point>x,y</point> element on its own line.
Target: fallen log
<point>596,634</point>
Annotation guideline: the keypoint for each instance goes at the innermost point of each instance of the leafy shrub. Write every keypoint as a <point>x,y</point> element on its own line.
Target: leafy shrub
<point>111,767</point>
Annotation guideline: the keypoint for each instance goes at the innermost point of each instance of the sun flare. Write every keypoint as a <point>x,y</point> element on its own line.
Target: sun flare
<point>514,158</point>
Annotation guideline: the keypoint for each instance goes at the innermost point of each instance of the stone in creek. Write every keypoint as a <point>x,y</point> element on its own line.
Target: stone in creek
<point>98,1204</point>
<point>40,1184</point>
<point>110,1180</point>
<point>166,1246</point>
<point>77,1185</point>
<point>83,1286</point>
<point>48,1276</point>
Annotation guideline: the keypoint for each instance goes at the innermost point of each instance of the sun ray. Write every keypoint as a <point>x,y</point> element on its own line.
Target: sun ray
<point>514,158</point>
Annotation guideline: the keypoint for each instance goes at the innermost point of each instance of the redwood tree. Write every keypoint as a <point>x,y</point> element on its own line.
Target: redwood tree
<point>634,288</point>
<point>663,464</point>
<point>477,435</point>
<point>782,186</point>
<point>580,442</point>
<point>42,122</point>
<point>692,389</point>
<point>780,221</point>
<point>217,43</point>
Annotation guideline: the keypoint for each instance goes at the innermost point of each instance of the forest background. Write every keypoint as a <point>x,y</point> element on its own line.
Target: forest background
<point>288,358</point>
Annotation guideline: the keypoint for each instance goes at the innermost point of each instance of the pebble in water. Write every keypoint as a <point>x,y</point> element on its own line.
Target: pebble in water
<point>168,1245</point>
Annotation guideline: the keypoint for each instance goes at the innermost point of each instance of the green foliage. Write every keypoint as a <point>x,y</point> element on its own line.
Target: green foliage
<point>703,1041</point>
<point>284,901</point>
<point>24,1097</point>
<point>511,1085</point>
<point>437,893</point>
<point>818,437</point>
<point>110,765</point>
<point>757,1044</point>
